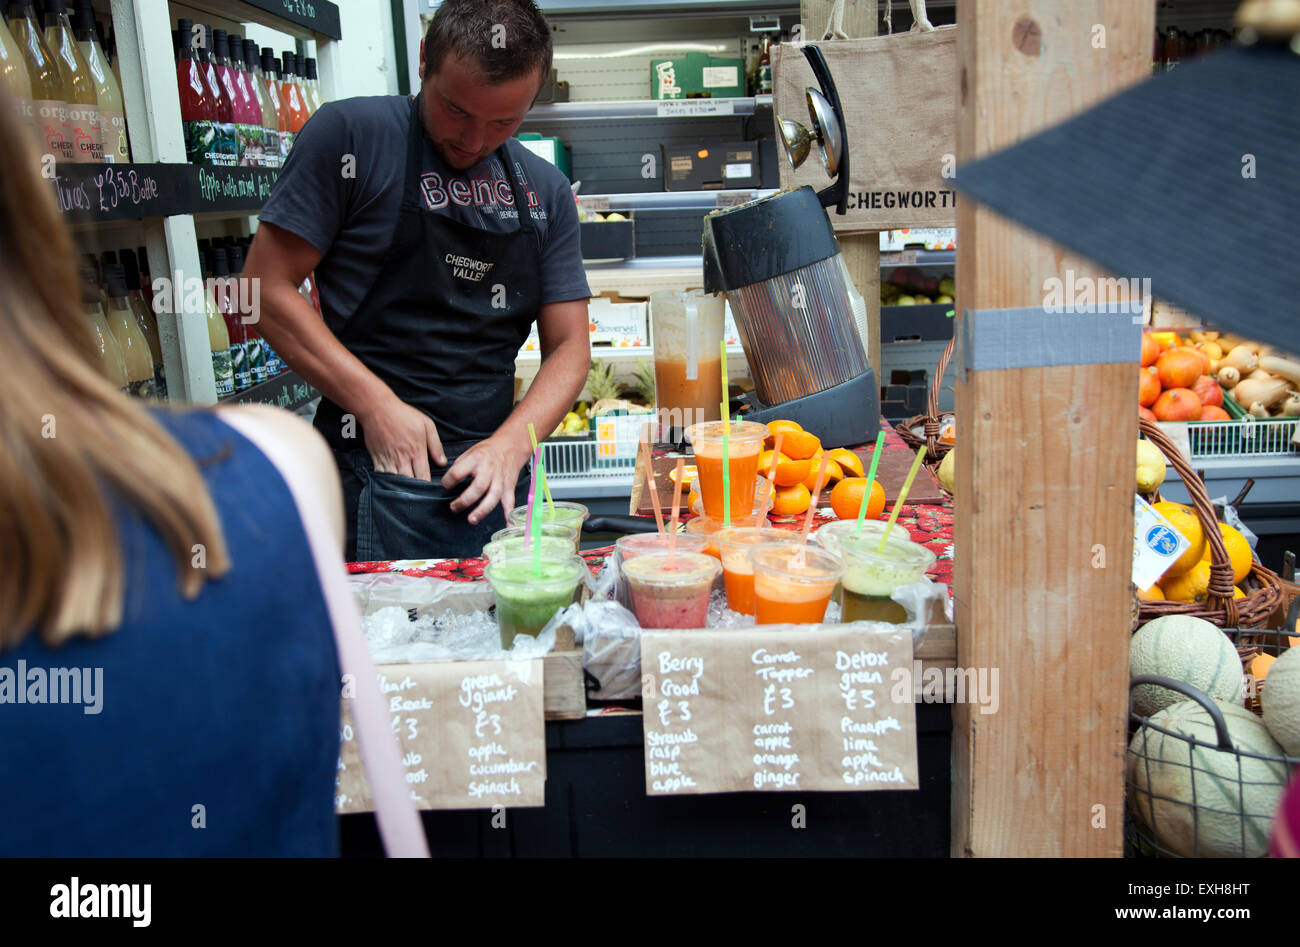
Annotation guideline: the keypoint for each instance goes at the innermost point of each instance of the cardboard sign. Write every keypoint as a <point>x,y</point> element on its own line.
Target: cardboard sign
<point>472,736</point>
<point>900,103</point>
<point>1156,544</point>
<point>786,707</point>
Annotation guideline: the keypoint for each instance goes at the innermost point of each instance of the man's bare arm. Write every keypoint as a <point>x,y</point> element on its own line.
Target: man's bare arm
<point>400,438</point>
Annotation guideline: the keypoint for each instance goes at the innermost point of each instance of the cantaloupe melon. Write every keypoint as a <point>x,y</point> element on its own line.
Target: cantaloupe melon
<point>1200,801</point>
<point>1280,701</point>
<point>1185,649</point>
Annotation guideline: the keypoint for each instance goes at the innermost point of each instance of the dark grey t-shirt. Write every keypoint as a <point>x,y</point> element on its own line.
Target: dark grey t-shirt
<point>341,190</point>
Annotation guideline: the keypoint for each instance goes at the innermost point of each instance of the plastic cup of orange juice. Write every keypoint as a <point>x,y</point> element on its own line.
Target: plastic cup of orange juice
<point>706,526</point>
<point>746,443</point>
<point>792,583</point>
<point>671,590</point>
<point>737,571</point>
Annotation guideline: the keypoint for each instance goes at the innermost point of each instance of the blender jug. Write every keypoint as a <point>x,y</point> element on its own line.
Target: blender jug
<point>686,334</point>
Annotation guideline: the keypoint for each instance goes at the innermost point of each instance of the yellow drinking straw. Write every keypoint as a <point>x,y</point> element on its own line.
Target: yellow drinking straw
<point>871,480</point>
<point>550,504</point>
<point>902,494</point>
<point>725,408</point>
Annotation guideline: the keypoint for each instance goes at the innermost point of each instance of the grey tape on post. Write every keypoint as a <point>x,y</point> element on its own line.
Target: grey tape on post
<point>1028,337</point>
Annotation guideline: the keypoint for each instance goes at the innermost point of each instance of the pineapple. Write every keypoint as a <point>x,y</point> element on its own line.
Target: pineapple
<point>600,381</point>
<point>645,382</point>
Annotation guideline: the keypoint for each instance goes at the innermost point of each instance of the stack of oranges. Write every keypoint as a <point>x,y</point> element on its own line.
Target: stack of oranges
<point>1175,382</point>
<point>1188,578</point>
<point>797,466</point>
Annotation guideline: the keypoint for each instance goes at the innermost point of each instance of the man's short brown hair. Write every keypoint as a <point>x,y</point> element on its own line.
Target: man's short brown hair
<point>505,38</point>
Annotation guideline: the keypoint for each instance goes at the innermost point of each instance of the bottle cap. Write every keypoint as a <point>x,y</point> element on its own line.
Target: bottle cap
<point>269,66</point>
<point>236,46</point>
<point>220,264</point>
<point>131,266</point>
<point>290,66</point>
<point>89,291</point>
<point>220,46</point>
<point>115,276</point>
<point>310,65</point>
<point>236,253</point>
<point>251,53</point>
<point>143,255</point>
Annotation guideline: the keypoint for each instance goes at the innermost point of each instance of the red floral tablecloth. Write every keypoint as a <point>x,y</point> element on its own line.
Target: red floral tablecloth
<point>927,524</point>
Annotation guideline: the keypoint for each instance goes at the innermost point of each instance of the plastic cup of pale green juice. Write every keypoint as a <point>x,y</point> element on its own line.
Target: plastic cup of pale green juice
<point>871,574</point>
<point>671,590</point>
<point>526,600</point>
<point>562,511</point>
<point>557,540</point>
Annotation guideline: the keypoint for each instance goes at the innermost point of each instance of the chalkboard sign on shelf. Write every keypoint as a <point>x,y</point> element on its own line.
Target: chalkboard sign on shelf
<point>318,16</point>
<point>286,390</point>
<point>92,193</point>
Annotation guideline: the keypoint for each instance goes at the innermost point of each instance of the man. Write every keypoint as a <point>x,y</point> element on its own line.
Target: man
<point>432,262</point>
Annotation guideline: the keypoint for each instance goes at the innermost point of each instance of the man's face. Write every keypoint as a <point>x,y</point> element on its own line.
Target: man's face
<point>465,117</point>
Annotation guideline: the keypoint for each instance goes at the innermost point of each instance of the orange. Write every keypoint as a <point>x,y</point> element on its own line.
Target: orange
<point>776,427</point>
<point>800,445</point>
<point>847,497</point>
<point>1238,593</point>
<point>1153,594</point>
<point>1183,519</point>
<point>1148,387</point>
<point>833,472</point>
<point>691,499</point>
<point>849,462</point>
<point>791,501</point>
<point>949,436</point>
<point>789,472</point>
<point>1238,552</point>
<point>1189,586</point>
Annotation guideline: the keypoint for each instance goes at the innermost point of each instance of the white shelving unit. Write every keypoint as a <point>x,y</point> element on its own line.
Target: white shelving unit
<point>144,45</point>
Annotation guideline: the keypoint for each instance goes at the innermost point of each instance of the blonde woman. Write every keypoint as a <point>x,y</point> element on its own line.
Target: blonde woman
<point>169,683</point>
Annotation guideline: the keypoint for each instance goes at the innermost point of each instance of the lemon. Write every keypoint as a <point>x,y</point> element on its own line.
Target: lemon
<point>946,471</point>
<point>1151,467</point>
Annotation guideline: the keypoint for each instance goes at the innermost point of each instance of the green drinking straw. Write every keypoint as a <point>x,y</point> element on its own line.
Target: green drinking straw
<point>535,526</point>
<point>546,487</point>
<point>902,494</point>
<point>871,480</point>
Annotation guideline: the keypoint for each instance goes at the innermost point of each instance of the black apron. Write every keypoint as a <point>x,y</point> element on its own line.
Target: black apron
<point>441,325</point>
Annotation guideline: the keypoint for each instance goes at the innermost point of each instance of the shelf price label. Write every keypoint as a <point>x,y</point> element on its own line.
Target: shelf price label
<point>685,108</point>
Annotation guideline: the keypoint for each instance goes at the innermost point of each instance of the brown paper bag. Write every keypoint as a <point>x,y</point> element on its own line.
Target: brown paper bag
<point>899,95</point>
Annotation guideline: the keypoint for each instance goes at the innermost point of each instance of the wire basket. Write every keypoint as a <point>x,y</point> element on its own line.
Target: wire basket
<point>1189,797</point>
<point>1251,643</point>
<point>932,422</point>
<point>1262,587</point>
<point>607,453</point>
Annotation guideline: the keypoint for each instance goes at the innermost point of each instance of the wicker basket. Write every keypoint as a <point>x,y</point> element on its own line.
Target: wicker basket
<point>1262,587</point>
<point>932,420</point>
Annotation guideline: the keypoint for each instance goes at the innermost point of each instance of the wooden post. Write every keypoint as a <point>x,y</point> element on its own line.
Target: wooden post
<point>861,250</point>
<point>1044,508</point>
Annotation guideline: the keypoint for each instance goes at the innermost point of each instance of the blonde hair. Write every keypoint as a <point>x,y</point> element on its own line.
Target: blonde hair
<point>69,437</point>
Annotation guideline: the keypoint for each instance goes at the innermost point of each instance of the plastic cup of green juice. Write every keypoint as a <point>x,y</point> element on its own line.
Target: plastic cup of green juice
<point>871,574</point>
<point>561,511</point>
<point>527,600</point>
<point>557,540</point>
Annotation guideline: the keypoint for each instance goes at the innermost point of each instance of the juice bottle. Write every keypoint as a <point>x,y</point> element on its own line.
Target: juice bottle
<point>250,108</point>
<point>14,79</point>
<point>268,106</point>
<point>108,94</point>
<point>83,127</point>
<point>144,318</point>
<point>291,92</point>
<point>218,278</point>
<point>226,149</point>
<point>223,351</point>
<point>136,357</point>
<point>271,69</point>
<point>230,111</point>
<point>49,110</point>
<point>106,347</point>
<point>146,280</point>
<point>313,85</point>
<point>258,352</point>
<point>198,111</point>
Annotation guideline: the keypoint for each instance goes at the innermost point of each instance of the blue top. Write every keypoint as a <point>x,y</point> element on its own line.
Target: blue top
<point>217,724</point>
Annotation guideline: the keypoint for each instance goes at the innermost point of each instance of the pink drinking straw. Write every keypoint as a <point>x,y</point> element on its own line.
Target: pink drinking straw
<point>650,479</point>
<point>812,510</point>
<point>771,478</point>
<point>677,503</point>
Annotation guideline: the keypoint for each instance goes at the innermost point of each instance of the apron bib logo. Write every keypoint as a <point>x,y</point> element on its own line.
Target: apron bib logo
<point>467,268</point>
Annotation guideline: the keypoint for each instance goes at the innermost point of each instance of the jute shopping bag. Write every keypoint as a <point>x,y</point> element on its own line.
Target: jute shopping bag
<point>899,95</point>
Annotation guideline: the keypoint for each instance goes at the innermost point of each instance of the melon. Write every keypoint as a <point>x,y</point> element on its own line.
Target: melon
<point>1186,649</point>
<point>1200,801</point>
<point>1280,701</point>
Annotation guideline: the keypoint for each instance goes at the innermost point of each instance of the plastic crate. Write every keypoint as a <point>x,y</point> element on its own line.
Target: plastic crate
<point>1244,437</point>
<point>585,457</point>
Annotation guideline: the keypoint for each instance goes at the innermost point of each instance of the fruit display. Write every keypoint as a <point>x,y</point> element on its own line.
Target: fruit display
<point>1176,380</point>
<point>794,472</point>
<point>909,286</point>
<point>1186,649</point>
<point>1196,799</point>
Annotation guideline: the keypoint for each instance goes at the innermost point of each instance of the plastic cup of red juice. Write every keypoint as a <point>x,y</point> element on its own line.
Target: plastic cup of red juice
<point>671,590</point>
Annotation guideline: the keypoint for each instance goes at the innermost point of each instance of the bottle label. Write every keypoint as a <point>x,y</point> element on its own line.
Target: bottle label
<point>87,133</point>
<point>271,147</point>
<point>286,145</point>
<point>199,141</point>
<point>239,365</point>
<point>223,373</point>
<point>115,142</point>
<point>144,388</point>
<point>256,360</point>
<point>160,381</point>
<point>252,146</point>
<point>51,121</point>
<point>225,151</point>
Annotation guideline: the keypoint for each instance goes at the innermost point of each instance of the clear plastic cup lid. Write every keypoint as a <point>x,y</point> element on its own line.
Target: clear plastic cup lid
<point>796,562</point>
<point>681,568</point>
<point>553,571</point>
<point>642,544</point>
<point>713,431</point>
<point>563,511</point>
<point>899,549</point>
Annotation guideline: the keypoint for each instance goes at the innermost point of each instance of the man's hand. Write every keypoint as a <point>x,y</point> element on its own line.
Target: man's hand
<point>493,465</point>
<point>401,439</point>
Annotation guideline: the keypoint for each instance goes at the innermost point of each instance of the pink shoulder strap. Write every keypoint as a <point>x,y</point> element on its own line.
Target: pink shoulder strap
<point>395,812</point>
